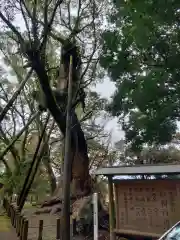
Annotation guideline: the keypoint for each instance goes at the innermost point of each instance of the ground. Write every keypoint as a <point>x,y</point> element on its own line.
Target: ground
<point>49,229</point>
<point>6,230</point>
<point>49,226</point>
<point>50,223</point>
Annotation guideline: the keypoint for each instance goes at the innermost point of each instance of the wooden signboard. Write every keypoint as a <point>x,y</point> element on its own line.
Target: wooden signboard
<point>150,206</point>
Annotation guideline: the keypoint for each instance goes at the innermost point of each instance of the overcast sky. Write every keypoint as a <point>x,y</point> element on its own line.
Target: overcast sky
<point>106,89</point>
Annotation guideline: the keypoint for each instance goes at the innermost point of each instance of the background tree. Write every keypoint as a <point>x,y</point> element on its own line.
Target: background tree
<point>140,54</point>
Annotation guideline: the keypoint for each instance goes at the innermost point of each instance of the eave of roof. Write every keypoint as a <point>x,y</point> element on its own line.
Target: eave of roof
<point>166,169</point>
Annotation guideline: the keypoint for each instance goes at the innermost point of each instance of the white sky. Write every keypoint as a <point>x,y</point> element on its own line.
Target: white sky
<point>106,89</point>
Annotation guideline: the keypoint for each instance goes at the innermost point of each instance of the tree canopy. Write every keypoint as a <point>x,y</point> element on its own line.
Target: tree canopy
<point>141,54</point>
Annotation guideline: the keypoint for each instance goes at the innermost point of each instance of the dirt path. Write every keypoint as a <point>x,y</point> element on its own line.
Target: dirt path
<point>11,235</point>
<point>6,230</point>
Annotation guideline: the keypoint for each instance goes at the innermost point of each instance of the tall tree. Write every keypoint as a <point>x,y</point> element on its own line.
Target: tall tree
<point>141,52</point>
<point>37,44</point>
<point>32,44</point>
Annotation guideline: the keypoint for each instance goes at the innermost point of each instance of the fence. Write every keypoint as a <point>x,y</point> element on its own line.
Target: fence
<point>18,221</point>
<point>30,199</point>
<point>21,224</point>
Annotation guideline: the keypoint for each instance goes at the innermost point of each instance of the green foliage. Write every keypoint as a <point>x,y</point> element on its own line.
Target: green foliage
<point>141,54</point>
<point>156,155</point>
<point>13,183</point>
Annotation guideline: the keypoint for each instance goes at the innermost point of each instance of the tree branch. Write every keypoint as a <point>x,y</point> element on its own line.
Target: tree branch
<point>35,164</point>
<point>12,27</point>
<point>15,95</point>
<point>47,28</point>
<point>24,16</point>
<point>13,150</point>
<point>18,135</point>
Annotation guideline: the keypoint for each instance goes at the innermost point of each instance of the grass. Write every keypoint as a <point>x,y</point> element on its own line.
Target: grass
<point>27,205</point>
<point>5,224</point>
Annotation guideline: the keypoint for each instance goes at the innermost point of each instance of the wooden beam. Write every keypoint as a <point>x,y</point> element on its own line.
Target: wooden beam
<point>67,163</point>
<point>111,208</point>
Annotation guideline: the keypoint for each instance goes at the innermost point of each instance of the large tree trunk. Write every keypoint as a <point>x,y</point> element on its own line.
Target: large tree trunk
<point>81,184</point>
<point>80,179</point>
<point>80,162</point>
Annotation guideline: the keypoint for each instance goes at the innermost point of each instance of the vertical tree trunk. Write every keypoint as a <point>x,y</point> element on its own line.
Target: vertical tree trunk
<point>51,175</point>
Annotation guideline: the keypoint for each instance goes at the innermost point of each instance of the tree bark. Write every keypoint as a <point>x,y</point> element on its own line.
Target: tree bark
<point>80,178</point>
<point>80,164</point>
<point>51,175</point>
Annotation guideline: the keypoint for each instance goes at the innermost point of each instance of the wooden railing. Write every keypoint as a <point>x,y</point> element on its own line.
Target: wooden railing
<point>30,199</point>
<point>21,224</point>
<point>18,221</point>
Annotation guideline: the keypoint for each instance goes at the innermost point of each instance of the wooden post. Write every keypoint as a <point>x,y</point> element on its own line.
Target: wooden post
<point>25,230</point>
<point>111,208</point>
<point>17,222</point>
<point>14,220</point>
<point>95,214</point>
<point>6,204</point>
<point>74,227</point>
<point>9,206</point>
<point>20,223</point>
<point>12,213</point>
<point>71,228</point>
<point>58,229</point>
<point>21,226</point>
<point>40,229</point>
<point>15,213</point>
<point>65,221</point>
<point>10,209</point>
